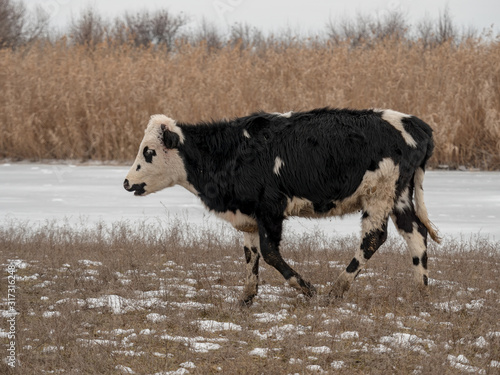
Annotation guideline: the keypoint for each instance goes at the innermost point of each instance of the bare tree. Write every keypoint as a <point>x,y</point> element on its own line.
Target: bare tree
<point>88,29</point>
<point>12,23</point>
<point>366,29</point>
<point>18,26</point>
<point>425,32</point>
<point>355,31</point>
<point>445,28</point>
<point>393,25</point>
<point>245,36</point>
<point>144,28</point>
<point>207,33</point>
<point>436,32</point>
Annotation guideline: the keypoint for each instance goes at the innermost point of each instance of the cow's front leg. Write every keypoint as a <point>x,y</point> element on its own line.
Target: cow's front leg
<point>270,229</point>
<point>252,256</point>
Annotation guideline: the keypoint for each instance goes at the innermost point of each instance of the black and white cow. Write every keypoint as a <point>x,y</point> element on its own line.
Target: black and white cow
<point>255,171</point>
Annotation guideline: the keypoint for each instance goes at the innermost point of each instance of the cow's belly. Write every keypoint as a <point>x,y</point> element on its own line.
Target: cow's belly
<point>304,208</point>
<point>376,191</point>
<point>239,220</point>
<point>376,186</point>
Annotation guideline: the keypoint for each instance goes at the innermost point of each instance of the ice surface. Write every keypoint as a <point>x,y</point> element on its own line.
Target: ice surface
<point>461,204</point>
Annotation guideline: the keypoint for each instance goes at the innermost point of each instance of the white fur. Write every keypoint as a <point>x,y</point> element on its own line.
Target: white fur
<point>394,118</point>
<point>239,220</point>
<point>251,240</point>
<point>417,247</point>
<point>167,168</point>
<point>286,114</point>
<point>278,163</point>
<point>245,133</point>
<point>158,120</point>
<point>420,208</point>
<point>403,202</point>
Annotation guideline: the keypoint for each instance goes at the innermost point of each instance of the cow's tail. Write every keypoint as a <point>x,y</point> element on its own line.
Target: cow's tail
<point>420,209</point>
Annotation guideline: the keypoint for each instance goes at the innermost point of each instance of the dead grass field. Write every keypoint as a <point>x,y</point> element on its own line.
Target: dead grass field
<point>61,101</point>
<point>116,299</point>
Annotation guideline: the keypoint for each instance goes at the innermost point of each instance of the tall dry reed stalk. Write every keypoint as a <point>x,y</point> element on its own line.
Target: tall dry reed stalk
<point>60,101</point>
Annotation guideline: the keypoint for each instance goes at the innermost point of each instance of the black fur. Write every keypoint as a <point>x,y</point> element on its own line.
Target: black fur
<point>148,155</point>
<point>170,139</point>
<point>323,157</point>
<point>325,154</point>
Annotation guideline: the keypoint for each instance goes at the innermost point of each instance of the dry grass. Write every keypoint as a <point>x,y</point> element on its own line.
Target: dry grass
<point>191,278</point>
<point>60,101</point>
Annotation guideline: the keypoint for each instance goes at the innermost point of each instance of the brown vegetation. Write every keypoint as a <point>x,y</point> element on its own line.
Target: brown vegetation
<point>68,284</point>
<point>89,95</point>
<point>61,101</point>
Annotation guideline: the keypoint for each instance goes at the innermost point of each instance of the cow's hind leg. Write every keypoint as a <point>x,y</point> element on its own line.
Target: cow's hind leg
<point>252,256</point>
<point>270,229</point>
<point>374,234</point>
<point>415,234</point>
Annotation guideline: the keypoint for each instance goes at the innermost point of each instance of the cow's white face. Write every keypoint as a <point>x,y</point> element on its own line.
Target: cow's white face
<point>158,164</point>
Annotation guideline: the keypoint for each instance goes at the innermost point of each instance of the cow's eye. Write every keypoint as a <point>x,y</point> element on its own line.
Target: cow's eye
<point>148,154</point>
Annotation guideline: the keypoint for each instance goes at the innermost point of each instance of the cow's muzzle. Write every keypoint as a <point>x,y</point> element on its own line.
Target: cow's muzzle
<point>138,189</point>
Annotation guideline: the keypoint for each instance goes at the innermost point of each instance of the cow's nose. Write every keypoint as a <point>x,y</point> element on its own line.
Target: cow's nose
<point>126,184</point>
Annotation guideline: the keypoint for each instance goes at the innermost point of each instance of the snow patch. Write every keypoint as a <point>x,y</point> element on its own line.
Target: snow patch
<point>259,352</point>
<point>337,365</point>
<point>18,263</point>
<point>349,335</point>
<point>124,369</point>
<point>461,362</point>
<point>51,314</point>
<point>214,326</point>
<point>318,349</point>
<point>156,318</point>
<point>269,317</point>
<point>89,263</point>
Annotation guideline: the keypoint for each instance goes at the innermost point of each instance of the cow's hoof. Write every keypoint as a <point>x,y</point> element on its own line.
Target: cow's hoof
<point>309,290</point>
<point>245,302</point>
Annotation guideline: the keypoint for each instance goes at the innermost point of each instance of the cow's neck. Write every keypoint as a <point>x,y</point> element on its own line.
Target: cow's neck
<point>209,153</point>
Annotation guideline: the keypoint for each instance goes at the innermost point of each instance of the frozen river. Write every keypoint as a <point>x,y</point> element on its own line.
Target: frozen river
<point>461,204</point>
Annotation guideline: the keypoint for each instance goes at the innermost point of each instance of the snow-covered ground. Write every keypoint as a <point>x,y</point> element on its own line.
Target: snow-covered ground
<point>461,204</point>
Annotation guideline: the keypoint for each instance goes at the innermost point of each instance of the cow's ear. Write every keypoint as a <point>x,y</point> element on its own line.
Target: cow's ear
<point>170,139</point>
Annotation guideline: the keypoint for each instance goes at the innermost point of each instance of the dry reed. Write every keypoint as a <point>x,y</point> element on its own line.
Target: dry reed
<point>60,101</point>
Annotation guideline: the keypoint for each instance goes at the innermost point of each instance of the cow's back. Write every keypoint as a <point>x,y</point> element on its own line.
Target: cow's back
<point>323,155</point>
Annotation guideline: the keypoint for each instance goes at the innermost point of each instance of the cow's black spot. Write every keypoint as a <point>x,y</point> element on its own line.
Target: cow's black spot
<point>248,255</point>
<point>323,207</point>
<point>404,221</point>
<point>424,260</point>
<point>138,189</point>
<point>373,165</point>
<point>170,139</point>
<point>138,167</point>
<point>353,266</point>
<point>313,142</point>
<point>416,261</point>
<point>148,154</point>
<point>422,229</point>
<point>373,240</point>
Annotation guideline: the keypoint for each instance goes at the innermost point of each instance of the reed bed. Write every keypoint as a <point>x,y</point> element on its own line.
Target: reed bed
<point>63,101</point>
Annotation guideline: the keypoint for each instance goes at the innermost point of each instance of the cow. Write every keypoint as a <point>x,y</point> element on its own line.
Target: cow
<point>256,171</point>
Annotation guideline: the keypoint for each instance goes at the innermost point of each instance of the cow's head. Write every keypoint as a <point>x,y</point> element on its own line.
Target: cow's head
<point>158,164</point>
